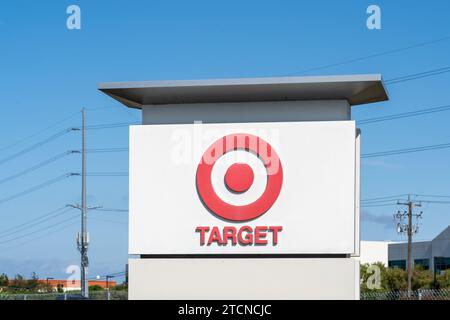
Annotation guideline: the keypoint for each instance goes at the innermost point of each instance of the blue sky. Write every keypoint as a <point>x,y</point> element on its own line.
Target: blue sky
<point>49,73</point>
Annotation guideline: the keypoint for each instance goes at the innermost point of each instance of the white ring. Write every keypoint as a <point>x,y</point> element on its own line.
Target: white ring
<point>218,177</point>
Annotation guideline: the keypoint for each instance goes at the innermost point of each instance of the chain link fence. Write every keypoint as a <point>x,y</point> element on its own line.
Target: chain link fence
<point>422,294</point>
<point>93,295</point>
<point>111,295</point>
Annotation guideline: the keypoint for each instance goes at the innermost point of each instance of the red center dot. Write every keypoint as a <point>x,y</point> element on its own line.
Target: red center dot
<point>239,177</point>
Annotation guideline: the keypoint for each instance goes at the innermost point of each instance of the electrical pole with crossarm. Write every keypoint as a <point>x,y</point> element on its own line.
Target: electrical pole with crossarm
<point>409,229</point>
<point>83,236</point>
<point>84,242</point>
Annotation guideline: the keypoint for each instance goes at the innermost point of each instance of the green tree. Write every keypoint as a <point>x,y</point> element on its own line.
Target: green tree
<point>4,281</point>
<point>18,284</point>
<point>369,273</point>
<point>33,283</point>
<point>95,287</point>
<point>443,279</point>
<point>396,279</point>
<point>422,279</point>
<point>59,288</point>
<point>390,278</point>
<point>121,287</point>
<point>44,287</point>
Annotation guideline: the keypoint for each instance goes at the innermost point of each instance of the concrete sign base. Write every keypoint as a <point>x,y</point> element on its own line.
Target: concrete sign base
<point>243,279</point>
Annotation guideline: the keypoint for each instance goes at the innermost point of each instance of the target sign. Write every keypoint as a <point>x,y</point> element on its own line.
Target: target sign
<point>243,188</point>
<point>239,177</point>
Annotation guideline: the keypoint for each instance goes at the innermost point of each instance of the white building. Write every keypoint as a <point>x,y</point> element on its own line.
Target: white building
<point>433,255</point>
<point>374,251</point>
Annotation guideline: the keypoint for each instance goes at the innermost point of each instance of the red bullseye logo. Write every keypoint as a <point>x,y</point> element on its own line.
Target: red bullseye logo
<point>239,177</point>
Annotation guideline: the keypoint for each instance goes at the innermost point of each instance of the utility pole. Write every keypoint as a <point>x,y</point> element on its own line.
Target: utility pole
<point>83,236</point>
<point>410,229</point>
<point>108,294</point>
<point>83,239</point>
<point>47,280</point>
<point>107,281</point>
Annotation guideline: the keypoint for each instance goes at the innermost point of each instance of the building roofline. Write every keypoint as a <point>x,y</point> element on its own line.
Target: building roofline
<point>356,89</point>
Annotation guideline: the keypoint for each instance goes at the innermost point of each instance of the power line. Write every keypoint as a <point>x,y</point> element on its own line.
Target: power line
<point>419,75</point>
<point>406,150</point>
<point>431,195</point>
<point>118,107</point>
<point>107,174</point>
<point>37,145</point>
<point>107,150</point>
<point>38,187</point>
<point>37,238</point>
<point>39,230</point>
<point>434,201</point>
<point>386,197</point>
<point>117,273</point>
<point>405,114</point>
<point>112,210</point>
<point>98,108</point>
<point>53,125</point>
<point>33,225</point>
<point>39,132</point>
<point>110,221</point>
<point>381,201</point>
<point>378,205</point>
<point>395,203</point>
<point>112,125</point>
<point>38,166</point>
<point>369,56</point>
<point>394,199</point>
<point>34,222</point>
<point>114,275</point>
<point>397,196</point>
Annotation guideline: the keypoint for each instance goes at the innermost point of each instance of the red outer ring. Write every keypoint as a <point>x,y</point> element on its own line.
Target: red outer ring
<point>242,141</point>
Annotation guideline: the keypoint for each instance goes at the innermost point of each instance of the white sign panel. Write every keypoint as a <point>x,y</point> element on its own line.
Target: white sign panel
<point>246,188</point>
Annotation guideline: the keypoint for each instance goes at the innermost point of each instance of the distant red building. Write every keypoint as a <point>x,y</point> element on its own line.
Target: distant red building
<point>73,285</point>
